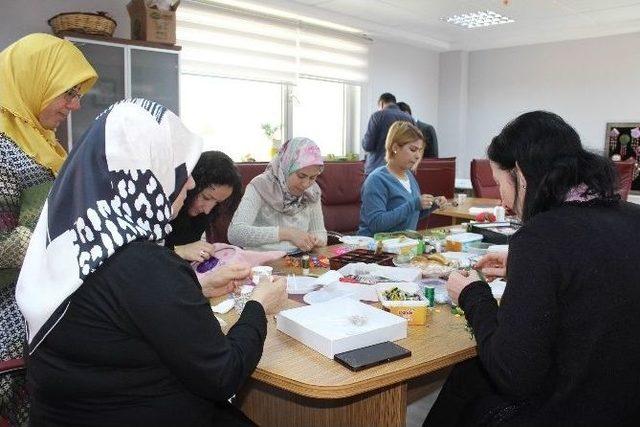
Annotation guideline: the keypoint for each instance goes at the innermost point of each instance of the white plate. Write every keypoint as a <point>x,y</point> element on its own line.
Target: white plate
<point>325,294</point>
<point>357,241</point>
<point>301,284</point>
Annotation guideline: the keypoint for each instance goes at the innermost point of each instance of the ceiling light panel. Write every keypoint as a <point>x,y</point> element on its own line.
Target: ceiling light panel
<point>485,18</point>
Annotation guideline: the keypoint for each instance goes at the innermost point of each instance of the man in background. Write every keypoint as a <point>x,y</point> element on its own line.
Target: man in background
<point>429,132</point>
<point>376,135</point>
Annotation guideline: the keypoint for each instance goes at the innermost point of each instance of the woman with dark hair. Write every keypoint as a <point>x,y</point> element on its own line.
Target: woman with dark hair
<point>563,346</point>
<point>218,188</point>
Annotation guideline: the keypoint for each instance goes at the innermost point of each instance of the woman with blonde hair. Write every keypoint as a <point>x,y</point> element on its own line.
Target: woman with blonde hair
<point>391,199</point>
<point>42,79</point>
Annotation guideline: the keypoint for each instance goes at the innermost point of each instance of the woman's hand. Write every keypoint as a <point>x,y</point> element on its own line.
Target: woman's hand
<point>197,251</point>
<point>303,240</point>
<point>426,201</point>
<point>493,265</point>
<point>224,279</point>
<point>458,280</point>
<point>272,295</point>
<point>441,201</point>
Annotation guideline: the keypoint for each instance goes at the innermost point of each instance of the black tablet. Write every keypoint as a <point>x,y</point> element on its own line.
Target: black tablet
<point>366,357</point>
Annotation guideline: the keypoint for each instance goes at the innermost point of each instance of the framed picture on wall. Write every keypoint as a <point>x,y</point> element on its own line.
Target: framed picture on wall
<point>622,142</point>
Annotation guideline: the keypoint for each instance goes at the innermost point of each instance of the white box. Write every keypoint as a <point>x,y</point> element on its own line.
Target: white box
<point>367,292</point>
<point>328,327</point>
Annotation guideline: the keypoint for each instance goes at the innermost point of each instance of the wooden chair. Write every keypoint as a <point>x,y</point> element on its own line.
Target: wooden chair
<point>436,176</point>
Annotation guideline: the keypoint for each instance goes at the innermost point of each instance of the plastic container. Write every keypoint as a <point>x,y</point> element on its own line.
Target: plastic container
<point>400,246</point>
<point>414,311</point>
<point>457,242</point>
<point>478,248</point>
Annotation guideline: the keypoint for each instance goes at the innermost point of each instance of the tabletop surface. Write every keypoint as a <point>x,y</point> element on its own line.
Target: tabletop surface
<point>290,365</point>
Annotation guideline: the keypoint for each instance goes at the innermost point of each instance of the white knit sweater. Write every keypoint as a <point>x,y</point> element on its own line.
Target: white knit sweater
<point>255,225</point>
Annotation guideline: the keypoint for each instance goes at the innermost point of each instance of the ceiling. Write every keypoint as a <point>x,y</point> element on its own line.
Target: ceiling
<point>417,22</point>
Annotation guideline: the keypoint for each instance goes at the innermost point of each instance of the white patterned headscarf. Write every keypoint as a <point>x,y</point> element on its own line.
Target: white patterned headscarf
<point>272,186</point>
<point>116,186</point>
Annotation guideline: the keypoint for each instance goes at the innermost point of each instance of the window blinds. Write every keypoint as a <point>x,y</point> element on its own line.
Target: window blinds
<point>226,42</point>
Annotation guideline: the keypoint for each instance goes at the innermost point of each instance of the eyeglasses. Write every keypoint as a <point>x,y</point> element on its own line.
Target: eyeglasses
<point>71,94</point>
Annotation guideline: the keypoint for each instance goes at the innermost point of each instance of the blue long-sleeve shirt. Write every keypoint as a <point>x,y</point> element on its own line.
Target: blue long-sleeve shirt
<point>387,205</point>
<point>376,135</point>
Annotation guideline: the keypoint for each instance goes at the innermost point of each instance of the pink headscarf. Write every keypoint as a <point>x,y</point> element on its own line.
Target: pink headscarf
<point>294,155</point>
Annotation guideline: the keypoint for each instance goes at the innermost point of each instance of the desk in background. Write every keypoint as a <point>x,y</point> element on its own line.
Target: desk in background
<point>461,213</point>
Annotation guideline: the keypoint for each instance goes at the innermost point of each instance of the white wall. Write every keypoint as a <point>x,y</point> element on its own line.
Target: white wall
<point>410,73</point>
<point>452,105</point>
<point>21,17</point>
<point>588,82</point>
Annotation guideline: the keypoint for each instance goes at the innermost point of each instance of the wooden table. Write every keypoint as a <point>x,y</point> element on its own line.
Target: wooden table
<point>461,212</point>
<point>296,386</point>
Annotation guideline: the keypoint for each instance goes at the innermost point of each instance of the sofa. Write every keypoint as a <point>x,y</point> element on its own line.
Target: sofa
<point>341,183</point>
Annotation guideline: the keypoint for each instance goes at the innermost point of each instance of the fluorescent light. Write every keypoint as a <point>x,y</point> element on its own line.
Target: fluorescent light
<point>282,14</point>
<point>478,19</point>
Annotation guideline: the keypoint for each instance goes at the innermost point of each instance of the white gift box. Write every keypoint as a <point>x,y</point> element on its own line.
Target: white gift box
<point>341,324</point>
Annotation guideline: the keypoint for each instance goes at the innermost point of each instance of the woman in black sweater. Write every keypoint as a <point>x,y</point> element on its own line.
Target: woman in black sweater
<point>119,332</point>
<point>217,192</point>
<point>563,347</point>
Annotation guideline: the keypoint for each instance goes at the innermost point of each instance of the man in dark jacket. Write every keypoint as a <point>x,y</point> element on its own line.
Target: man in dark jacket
<point>379,124</point>
<point>429,132</point>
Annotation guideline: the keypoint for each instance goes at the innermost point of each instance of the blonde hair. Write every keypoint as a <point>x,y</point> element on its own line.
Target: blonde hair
<point>401,134</point>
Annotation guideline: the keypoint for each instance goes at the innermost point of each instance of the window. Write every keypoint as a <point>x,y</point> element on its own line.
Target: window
<point>229,114</point>
<point>318,113</point>
<point>241,70</point>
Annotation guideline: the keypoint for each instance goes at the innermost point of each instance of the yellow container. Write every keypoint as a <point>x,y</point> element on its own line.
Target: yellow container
<point>414,315</point>
<point>414,311</point>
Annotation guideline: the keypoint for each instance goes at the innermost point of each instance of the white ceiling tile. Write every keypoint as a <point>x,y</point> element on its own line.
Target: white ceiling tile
<point>418,21</point>
<point>588,5</point>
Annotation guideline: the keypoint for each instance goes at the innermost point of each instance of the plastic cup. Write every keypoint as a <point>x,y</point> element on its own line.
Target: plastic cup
<point>259,272</point>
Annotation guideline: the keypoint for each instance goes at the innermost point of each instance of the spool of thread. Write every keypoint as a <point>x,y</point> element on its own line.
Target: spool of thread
<point>305,264</point>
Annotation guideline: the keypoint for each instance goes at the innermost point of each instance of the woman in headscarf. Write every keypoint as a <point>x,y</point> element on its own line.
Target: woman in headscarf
<point>42,79</point>
<point>119,331</point>
<point>281,208</point>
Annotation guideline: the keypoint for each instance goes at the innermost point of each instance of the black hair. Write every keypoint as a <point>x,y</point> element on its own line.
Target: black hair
<point>551,157</point>
<point>387,98</point>
<point>216,168</point>
<point>403,106</point>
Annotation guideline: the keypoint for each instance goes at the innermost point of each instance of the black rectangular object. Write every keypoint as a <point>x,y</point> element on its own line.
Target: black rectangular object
<point>488,231</point>
<point>373,355</point>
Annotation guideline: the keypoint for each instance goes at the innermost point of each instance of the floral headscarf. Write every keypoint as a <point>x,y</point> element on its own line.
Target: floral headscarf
<point>294,155</point>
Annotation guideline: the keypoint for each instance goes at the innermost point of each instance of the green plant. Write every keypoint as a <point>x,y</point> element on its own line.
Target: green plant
<point>269,130</point>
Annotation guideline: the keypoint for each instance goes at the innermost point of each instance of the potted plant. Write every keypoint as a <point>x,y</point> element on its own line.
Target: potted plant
<point>270,132</point>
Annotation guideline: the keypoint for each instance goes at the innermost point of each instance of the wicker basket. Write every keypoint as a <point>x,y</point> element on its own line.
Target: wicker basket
<point>100,23</point>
